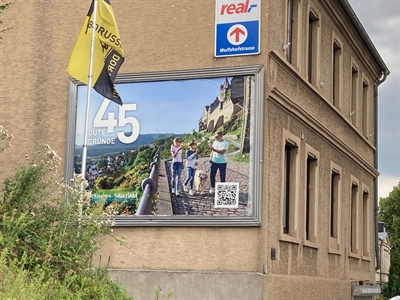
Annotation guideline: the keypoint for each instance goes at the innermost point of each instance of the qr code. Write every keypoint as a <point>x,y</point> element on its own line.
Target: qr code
<point>227,194</point>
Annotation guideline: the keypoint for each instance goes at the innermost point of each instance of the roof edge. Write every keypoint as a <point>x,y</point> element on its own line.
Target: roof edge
<point>360,29</point>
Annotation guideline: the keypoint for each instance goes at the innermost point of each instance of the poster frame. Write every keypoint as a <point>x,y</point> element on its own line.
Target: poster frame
<point>256,144</point>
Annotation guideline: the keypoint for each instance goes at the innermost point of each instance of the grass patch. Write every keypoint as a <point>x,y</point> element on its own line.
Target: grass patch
<point>242,157</point>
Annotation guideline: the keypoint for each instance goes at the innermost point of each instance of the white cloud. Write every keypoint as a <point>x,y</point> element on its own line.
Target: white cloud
<point>386,185</point>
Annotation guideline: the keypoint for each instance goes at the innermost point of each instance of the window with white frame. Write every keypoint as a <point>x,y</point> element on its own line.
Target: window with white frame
<point>364,109</point>
<point>293,29</point>
<point>354,216</point>
<point>335,207</point>
<point>290,185</point>
<point>354,94</point>
<point>336,72</point>
<point>311,203</point>
<point>314,32</point>
<point>365,222</point>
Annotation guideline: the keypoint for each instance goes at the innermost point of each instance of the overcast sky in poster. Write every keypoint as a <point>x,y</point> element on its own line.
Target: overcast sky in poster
<point>381,20</point>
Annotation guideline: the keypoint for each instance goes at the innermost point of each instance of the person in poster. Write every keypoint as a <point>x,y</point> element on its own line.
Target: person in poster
<point>218,159</point>
<point>191,165</point>
<point>177,165</point>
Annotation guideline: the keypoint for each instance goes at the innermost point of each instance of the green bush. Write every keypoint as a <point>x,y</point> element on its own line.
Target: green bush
<point>20,284</point>
<point>47,242</point>
<point>242,157</point>
<point>104,183</point>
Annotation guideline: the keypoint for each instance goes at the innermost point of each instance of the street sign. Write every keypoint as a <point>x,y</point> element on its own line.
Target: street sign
<point>237,27</point>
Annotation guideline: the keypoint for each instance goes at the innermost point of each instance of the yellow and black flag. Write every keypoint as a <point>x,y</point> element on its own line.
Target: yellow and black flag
<point>108,55</point>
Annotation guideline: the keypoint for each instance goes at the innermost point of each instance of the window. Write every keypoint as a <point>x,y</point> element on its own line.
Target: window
<point>337,73</point>
<point>290,186</point>
<point>289,38</point>
<point>335,179</point>
<point>354,94</point>
<point>353,217</point>
<point>364,109</point>
<point>365,220</point>
<point>334,218</point>
<point>311,217</point>
<point>313,47</point>
<point>293,31</point>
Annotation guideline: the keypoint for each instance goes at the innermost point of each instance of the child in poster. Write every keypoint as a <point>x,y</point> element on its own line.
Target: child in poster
<point>191,164</point>
<point>177,165</point>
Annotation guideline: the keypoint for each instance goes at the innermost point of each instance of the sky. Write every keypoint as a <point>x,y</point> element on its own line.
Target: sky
<point>160,107</point>
<point>381,21</point>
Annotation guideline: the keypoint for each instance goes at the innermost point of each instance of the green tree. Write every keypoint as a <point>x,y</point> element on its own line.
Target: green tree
<point>130,157</point>
<point>145,155</point>
<point>389,212</point>
<point>392,287</point>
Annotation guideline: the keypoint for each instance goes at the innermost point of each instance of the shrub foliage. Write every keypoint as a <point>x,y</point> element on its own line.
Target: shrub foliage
<point>49,233</point>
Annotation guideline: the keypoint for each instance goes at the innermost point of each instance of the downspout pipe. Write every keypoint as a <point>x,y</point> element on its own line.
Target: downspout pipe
<point>376,209</point>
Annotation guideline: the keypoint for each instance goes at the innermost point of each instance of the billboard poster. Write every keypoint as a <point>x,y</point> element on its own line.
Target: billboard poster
<point>202,123</point>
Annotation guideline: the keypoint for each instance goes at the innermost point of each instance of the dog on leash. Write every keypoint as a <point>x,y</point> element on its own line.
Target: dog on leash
<point>200,179</point>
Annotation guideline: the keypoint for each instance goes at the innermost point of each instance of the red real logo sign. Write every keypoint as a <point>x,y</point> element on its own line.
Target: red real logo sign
<point>239,8</point>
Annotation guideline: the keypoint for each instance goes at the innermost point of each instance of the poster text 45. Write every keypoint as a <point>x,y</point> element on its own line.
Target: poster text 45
<point>111,122</point>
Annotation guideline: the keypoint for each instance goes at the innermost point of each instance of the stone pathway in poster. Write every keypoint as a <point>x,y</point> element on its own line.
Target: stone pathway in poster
<point>203,205</point>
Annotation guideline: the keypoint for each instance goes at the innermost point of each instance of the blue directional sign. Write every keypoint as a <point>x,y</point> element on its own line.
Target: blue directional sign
<point>237,28</point>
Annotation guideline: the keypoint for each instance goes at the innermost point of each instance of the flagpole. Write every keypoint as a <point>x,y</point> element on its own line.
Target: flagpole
<point>89,88</point>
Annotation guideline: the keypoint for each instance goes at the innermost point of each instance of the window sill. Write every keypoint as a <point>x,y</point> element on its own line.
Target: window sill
<point>290,239</point>
<point>310,244</point>
<point>335,251</point>
<point>354,255</point>
<point>366,258</point>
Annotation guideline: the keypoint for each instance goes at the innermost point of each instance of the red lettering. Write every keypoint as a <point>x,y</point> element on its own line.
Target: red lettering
<point>231,9</point>
<point>240,8</point>
<point>223,9</point>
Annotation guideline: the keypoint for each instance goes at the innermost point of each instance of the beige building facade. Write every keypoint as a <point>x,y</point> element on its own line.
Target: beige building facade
<point>312,229</point>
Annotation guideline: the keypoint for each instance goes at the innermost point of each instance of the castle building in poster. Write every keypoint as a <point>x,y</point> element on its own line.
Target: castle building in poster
<point>299,115</point>
<point>228,103</point>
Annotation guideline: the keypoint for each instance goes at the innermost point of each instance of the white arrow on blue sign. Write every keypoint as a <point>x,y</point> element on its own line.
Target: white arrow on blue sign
<point>237,27</point>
